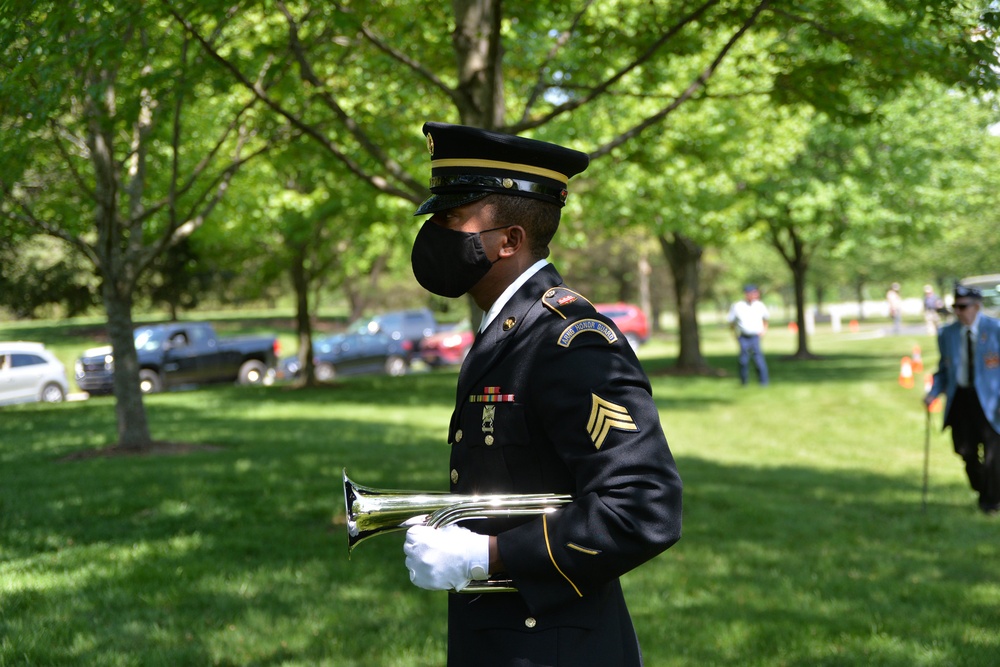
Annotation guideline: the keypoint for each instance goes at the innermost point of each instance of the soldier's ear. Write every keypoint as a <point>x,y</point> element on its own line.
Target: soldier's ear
<point>514,239</point>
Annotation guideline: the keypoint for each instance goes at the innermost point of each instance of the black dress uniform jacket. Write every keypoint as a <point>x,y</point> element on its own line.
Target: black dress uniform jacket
<point>552,399</point>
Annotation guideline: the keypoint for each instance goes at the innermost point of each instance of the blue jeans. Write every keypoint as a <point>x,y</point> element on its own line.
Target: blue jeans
<point>750,344</point>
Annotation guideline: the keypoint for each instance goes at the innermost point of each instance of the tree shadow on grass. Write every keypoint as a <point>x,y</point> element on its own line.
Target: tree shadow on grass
<point>232,557</point>
<point>797,566</point>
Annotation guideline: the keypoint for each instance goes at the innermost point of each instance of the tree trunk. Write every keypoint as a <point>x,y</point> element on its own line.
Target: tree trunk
<point>113,263</point>
<point>478,48</point>
<point>791,247</point>
<point>355,300</point>
<point>799,268</point>
<point>133,427</point>
<point>303,319</point>
<point>684,257</point>
<point>645,297</point>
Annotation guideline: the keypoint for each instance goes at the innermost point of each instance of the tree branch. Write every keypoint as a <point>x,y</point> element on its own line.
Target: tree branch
<point>404,59</point>
<point>700,81</point>
<point>599,90</point>
<point>175,192</point>
<point>309,75</point>
<point>57,130</point>
<point>29,218</point>
<point>204,206</point>
<point>541,85</point>
<point>378,182</point>
<point>175,133</point>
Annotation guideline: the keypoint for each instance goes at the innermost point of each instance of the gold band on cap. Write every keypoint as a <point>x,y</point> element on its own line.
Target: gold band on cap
<point>496,164</point>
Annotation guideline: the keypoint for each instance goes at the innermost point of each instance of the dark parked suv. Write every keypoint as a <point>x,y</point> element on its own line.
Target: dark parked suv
<point>403,325</point>
<point>352,354</point>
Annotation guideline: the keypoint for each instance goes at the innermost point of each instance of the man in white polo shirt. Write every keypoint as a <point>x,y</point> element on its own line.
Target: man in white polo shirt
<point>748,318</point>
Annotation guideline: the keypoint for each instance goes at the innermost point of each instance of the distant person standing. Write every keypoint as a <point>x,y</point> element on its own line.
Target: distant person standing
<point>932,307</point>
<point>895,307</point>
<point>748,318</point>
<point>969,376</point>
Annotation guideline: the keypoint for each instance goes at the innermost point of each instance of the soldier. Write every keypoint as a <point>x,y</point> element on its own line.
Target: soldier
<point>551,399</point>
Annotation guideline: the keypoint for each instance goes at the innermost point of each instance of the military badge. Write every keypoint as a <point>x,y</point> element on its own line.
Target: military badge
<point>491,395</point>
<point>583,326</point>
<point>604,416</point>
<point>558,298</point>
<point>992,360</point>
<point>489,414</point>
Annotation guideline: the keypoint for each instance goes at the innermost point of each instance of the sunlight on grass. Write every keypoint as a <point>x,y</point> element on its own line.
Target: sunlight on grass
<point>805,537</point>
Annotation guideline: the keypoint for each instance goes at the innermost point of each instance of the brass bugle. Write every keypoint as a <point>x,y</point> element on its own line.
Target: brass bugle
<point>372,512</point>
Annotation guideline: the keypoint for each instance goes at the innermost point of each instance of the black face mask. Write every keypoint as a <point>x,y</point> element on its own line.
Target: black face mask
<point>448,262</point>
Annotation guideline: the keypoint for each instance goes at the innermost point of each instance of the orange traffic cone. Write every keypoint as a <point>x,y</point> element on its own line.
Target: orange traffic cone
<point>918,362</point>
<point>793,327</point>
<point>853,326</point>
<point>906,373</point>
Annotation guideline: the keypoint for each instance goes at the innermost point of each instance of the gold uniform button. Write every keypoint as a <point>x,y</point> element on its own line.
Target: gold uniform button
<point>458,435</point>
<point>530,622</point>
<point>489,440</point>
<point>454,476</point>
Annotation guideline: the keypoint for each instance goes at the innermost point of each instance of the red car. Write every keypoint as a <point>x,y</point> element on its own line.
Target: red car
<point>630,319</point>
<point>447,347</point>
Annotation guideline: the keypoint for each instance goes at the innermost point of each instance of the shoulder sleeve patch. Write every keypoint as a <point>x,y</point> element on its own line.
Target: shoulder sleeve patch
<point>566,303</point>
<point>584,326</point>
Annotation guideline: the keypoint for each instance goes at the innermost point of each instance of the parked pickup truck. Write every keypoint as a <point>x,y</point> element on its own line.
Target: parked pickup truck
<point>183,353</point>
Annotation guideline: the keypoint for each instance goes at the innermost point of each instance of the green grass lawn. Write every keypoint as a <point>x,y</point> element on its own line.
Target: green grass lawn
<point>805,541</point>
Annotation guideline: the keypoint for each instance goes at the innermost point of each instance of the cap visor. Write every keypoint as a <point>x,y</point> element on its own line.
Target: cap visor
<point>436,203</point>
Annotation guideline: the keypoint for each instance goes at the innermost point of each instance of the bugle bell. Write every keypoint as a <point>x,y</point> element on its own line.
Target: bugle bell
<point>372,512</point>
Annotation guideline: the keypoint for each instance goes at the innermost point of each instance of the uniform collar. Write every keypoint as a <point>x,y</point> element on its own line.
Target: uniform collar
<point>502,300</point>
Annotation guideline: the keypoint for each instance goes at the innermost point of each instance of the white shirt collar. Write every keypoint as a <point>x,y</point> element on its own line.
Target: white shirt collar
<point>502,300</point>
<point>974,327</point>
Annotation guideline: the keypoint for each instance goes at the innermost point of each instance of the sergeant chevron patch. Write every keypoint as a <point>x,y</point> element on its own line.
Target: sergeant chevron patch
<point>604,416</point>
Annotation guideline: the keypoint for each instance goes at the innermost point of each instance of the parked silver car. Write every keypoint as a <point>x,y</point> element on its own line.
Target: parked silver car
<point>29,373</point>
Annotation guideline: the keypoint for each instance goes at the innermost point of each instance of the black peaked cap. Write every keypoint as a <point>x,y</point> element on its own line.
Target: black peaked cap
<point>968,292</point>
<point>468,163</point>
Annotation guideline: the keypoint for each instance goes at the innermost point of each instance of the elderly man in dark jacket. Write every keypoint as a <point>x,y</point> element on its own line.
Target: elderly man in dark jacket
<point>969,376</point>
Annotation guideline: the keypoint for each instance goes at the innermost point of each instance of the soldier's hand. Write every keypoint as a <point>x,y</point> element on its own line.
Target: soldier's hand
<point>441,559</point>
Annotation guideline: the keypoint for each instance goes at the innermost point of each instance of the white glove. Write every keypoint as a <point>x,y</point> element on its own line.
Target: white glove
<point>441,559</point>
